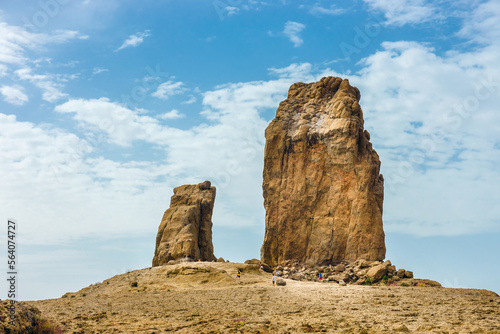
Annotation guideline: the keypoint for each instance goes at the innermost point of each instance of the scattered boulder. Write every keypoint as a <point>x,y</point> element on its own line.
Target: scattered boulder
<point>350,273</point>
<point>339,268</point>
<point>377,273</point>
<point>409,274</point>
<point>186,226</point>
<point>280,282</point>
<point>391,270</point>
<point>342,283</point>
<point>333,212</point>
<point>221,259</point>
<point>362,263</point>
<point>401,273</point>
<point>252,261</point>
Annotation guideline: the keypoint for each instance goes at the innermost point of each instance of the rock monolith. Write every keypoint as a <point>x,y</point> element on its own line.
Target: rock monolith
<point>186,228</point>
<point>323,191</point>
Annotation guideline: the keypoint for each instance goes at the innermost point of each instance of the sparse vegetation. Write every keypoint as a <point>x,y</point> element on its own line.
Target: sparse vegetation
<point>240,322</point>
<point>368,281</point>
<point>132,279</point>
<point>385,279</point>
<point>307,328</point>
<point>44,326</point>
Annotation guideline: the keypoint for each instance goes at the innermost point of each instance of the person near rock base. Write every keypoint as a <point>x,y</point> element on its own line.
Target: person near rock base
<point>320,276</point>
<point>238,274</point>
<point>274,279</point>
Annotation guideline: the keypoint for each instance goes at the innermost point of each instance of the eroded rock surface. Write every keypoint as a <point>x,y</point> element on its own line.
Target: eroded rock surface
<point>323,191</point>
<point>186,228</point>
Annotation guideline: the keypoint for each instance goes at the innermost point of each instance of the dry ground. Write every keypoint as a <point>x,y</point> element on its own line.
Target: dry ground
<point>208,298</point>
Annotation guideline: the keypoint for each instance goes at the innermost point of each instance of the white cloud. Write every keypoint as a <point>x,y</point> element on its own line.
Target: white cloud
<point>173,114</point>
<point>3,70</point>
<point>120,124</point>
<point>401,12</point>
<point>292,31</point>
<point>317,9</point>
<point>293,71</point>
<point>14,95</point>
<point>15,41</point>
<point>169,88</point>
<point>192,99</point>
<point>50,88</point>
<point>79,192</point>
<point>98,70</point>
<point>482,24</point>
<point>134,40</point>
<point>232,10</point>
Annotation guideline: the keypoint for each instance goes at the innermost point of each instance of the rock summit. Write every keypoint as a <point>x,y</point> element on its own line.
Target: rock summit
<point>323,191</point>
<point>186,228</point>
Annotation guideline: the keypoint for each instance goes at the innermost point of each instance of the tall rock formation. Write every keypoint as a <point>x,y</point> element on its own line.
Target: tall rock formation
<point>186,227</point>
<point>323,190</point>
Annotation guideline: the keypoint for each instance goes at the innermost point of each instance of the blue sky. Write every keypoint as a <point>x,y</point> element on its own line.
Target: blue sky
<point>106,107</point>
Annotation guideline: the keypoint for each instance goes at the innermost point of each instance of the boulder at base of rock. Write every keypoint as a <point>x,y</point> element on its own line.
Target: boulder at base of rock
<point>280,282</point>
<point>186,227</point>
<point>401,273</point>
<point>409,274</point>
<point>252,261</point>
<point>323,190</point>
<point>221,259</point>
<point>377,273</point>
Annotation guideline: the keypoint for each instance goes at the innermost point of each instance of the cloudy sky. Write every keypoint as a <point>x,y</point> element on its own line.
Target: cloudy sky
<point>105,107</point>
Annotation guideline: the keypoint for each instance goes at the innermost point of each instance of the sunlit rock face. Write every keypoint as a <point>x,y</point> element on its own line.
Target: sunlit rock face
<point>186,228</point>
<point>323,191</point>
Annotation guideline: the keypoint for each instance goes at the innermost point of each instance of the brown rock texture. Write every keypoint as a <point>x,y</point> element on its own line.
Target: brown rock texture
<point>323,191</point>
<point>186,228</point>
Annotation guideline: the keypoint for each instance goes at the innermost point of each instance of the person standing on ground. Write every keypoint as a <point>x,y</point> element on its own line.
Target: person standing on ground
<point>320,276</point>
<point>238,274</point>
<point>274,279</point>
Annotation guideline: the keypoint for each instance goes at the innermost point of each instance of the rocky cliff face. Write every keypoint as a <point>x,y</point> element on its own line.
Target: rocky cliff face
<point>323,190</point>
<point>186,227</point>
